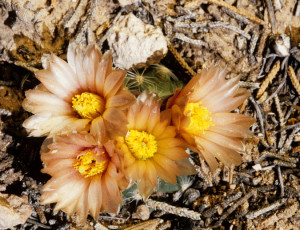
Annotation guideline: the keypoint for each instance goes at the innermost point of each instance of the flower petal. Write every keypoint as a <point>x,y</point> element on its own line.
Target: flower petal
<point>164,173</point>
<point>219,152</point>
<point>91,61</point>
<point>229,105</point>
<point>46,77</point>
<point>145,188</point>
<point>115,122</point>
<point>227,142</point>
<point>207,156</point>
<point>190,85</point>
<point>110,203</point>
<point>37,101</point>
<point>132,171</point>
<point>168,170</point>
<point>98,130</point>
<point>143,116</point>
<point>45,124</point>
<point>176,116</point>
<point>232,118</point>
<point>128,158</point>
<point>95,196</point>
<point>169,142</point>
<point>71,55</point>
<point>103,70</point>
<point>185,167</point>
<point>113,83</point>
<point>232,130</point>
<point>80,71</point>
<point>174,153</point>
<point>121,101</point>
<point>64,73</point>
<point>210,79</point>
<point>169,132</point>
<point>151,173</point>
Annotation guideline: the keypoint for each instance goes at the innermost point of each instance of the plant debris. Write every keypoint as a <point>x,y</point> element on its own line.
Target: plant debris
<point>255,40</point>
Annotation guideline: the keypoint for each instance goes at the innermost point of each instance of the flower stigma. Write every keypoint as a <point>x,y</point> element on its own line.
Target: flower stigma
<point>200,119</point>
<point>88,165</point>
<point>88,105</point>
<point>141,144</point>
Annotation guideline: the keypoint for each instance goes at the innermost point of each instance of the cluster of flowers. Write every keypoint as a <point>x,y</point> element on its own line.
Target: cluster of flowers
<point>100,136</point>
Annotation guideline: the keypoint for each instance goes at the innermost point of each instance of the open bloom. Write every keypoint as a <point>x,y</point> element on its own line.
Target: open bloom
<point>201,114</point>
<point>150,147</point>
<point>83,94</point>
<point>86,176</point>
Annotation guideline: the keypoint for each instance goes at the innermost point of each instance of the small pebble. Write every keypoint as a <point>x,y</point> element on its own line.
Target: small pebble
<point>52,221</point>
<point>190,196</point>
<point>232,186</point>
<point>142,213</point>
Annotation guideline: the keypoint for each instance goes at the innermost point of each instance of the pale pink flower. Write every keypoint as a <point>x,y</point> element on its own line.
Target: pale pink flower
<point>150,147</point>
<point>201,114</point>
<point>83,94</point>
<point>87,176</point>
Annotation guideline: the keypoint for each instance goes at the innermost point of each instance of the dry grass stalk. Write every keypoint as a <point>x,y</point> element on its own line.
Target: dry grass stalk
<point>294,79</point>
<point>279,111</point>
<point>243,106</point>
<point>263,98</point>
<point>236,10</point>
<point>180,60</point>
<point>268,79</point>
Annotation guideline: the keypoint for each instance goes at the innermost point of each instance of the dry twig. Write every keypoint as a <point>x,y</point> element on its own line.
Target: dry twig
<point>184,212</point>
<point>236,10</point>
<point>268,208</point>
<point>190,40</point>
<point>271,13</point>
<point>280,181</point>
<point>253,192</point>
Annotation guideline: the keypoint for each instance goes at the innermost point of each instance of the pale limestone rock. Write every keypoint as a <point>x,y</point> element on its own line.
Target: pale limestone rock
<point>142,212</point>
<point>14,210</point>
<point>127,2</point>
<point>136,44</point>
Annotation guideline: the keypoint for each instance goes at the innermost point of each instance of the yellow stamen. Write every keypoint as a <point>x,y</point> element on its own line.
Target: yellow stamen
<point>200,119</point>
<point>88,105</point>
<point>141,144</point>
<point>88,165</point>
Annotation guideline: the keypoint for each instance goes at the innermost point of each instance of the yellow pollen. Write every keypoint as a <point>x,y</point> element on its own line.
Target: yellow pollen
<point>200,119</point>
<point>88,165</point>
<point>141,144</point>
<point>88,105</point>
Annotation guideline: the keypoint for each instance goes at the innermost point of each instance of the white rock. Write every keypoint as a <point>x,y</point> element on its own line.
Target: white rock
<point>14,210</point>
<point>127,2</point>
<point>136,44</point>
<point>257,167</point>
<point>282,45</point>
<point>142,212</point>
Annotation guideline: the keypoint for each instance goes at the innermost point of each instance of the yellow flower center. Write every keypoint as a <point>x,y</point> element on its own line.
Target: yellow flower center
<point>141,144</point>
<point>88,165</point>
<point>88,105</point>
<point>200,119</point>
